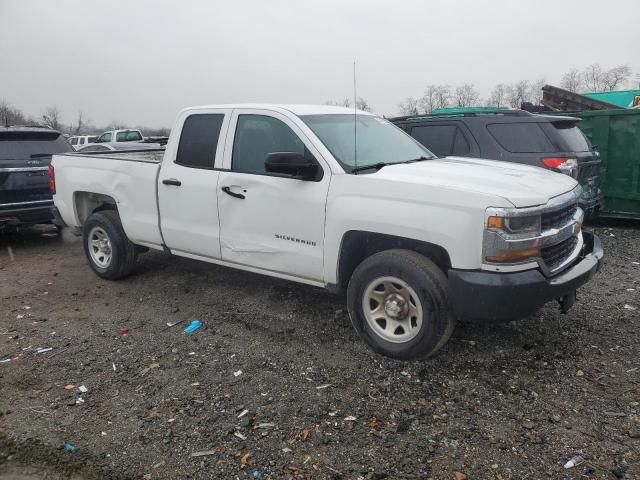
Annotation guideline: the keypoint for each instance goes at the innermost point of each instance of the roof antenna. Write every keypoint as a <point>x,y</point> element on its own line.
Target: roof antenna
<point>355,123</point>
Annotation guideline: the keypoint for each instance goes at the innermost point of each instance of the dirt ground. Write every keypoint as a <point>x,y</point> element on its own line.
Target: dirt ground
<point>277,385</point>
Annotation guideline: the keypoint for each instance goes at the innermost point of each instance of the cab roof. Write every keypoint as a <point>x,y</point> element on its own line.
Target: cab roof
<point>297,109</point>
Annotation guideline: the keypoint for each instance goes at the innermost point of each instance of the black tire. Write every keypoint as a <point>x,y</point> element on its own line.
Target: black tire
<point>429,283</point>
<point>123,252</point>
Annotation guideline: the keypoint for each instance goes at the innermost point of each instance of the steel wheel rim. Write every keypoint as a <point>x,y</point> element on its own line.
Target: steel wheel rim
<point>99,245</point>
<point>392,309</point>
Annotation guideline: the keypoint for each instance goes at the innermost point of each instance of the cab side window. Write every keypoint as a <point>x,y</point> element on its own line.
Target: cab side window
<point>443,140</point>
<point>105,137</point>
<point>259,135</point>
<point>199,140</point>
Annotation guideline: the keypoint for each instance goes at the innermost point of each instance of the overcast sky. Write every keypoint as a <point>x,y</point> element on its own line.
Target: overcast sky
<point>140,62</point>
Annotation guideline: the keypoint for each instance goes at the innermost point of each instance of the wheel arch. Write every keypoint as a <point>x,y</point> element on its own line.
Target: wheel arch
<point>357,245</point>
<point>86,203</point>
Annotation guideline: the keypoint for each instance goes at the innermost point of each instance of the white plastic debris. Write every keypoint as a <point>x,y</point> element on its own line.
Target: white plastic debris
<point>243,413</point>
<point>237,373</point>
<point>287,450</point>
<point>573,462</point>
<point>44,349</point>
<point>350,418</point>
<point>629,307</point>
<point>83,389</point>
<point>239,435</point>
<point>322,387</point>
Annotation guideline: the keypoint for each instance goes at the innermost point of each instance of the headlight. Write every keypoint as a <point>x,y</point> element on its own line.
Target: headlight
<point>511,237</point>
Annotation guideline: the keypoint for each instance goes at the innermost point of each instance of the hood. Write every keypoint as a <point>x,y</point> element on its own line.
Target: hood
<point>522,185</point>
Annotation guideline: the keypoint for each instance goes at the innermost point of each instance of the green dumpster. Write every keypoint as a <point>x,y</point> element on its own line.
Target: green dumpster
<point>616,133</point>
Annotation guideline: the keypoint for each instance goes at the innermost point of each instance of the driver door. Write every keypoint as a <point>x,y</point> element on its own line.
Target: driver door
<point>270,221</point>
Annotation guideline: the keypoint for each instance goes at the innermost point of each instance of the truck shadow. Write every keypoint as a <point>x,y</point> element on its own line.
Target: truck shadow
<point>31,236</point>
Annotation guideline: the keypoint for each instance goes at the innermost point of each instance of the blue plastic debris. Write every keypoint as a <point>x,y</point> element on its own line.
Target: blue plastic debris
<point>193,326</point>
<point>256,474</point>
<point>69,447</point>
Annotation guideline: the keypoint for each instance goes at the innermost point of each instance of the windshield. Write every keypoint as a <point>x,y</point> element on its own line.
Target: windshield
<point>26,145</point>
<point>377,140</point>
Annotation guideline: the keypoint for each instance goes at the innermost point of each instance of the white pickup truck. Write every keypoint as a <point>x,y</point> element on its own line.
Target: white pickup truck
<point>342,200</point>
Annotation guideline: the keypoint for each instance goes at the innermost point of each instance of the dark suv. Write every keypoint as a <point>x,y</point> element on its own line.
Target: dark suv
<point>546,141</point>
<point>25,155</point>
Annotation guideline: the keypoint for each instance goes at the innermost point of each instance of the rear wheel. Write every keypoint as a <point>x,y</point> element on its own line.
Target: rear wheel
<point>110,253</point>
<point>398,304</point>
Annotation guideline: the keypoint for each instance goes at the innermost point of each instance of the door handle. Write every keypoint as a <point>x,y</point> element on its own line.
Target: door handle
<point>172,181</point>
<point>233,194</point>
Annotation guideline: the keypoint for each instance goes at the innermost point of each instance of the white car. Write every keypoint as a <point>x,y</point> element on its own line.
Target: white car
<point>343,200</point>
<point>128,135</point>
<point>79,141</point>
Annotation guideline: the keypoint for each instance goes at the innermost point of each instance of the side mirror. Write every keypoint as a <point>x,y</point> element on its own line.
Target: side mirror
<point>292,164</point>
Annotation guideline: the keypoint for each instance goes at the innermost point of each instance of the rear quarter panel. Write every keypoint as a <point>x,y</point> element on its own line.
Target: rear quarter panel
<point>132,184</point>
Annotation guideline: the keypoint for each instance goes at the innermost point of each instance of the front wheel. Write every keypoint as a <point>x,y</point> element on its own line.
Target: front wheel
<point>398,304</point>
<point>110,253</point>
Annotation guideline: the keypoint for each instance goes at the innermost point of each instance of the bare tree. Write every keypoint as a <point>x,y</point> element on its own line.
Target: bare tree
<point>410,106</point>
<point>572,80</point>
<point>593,77</point>
<point>466,95</point>
<point>442,96</point>
<point>518,93</point>
<point>344,103</point>
<point>362,104</point>
<point>428,100</point>
<point>83,121</point>
<point>498,96</point>
<point>10,115</point>
<point>616,77</point>
<point>51,117</point>
<point>535,91</point>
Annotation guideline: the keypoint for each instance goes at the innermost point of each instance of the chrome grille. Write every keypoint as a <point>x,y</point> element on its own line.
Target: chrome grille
<point>558,218</point>
<point>554,255</point>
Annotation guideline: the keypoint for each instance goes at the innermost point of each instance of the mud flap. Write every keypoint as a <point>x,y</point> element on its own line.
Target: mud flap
<point>567,301</point>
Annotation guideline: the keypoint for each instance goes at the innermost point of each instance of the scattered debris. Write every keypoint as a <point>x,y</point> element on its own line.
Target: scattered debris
<point>243,413</point>
<point>350,418</point>
<point>244,460</point>
<point>322,387</point>
<point>304,434</point>
<point>193,326</point>
<point>114,366</point>
<point>69,447</point>
<point>629,307</point>
<point>204,453</point>
<point>124,331</point>
<point>69,387</point>
<point>579,373</point>
<point>459,476</point>
<point>173,324</point>
<point>573,462</point>
<point>83,389</point>
<point>44,349</point>
<point>256,473</point>
<point>79,401</point>
<point>265,425</point>
<point>237,373</point>
<point>286,450</point>
<point>240,436</point>
<point>154,365</point>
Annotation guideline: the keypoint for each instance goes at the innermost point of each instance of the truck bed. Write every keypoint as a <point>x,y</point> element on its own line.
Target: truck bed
<point>129,178</point>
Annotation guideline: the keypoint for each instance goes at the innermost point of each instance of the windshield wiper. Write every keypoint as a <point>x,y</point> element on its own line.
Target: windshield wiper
<point>376,166</point>
<point>379,165</point>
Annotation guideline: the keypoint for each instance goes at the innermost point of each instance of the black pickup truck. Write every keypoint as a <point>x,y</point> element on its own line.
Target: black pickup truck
<point>25,154</point>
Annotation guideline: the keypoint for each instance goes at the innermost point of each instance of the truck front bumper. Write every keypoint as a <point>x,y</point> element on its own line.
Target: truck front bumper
<point>487,296</point>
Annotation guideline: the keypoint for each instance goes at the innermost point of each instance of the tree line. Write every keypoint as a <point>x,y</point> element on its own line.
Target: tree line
<point>593,78</point>
<point>52,117</point>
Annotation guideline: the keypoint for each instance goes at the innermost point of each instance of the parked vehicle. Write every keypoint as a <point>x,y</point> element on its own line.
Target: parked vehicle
<point>78,141</point>
<point>25,154</point>
<point>117,146</point>
<point>617,135</point>
<point>128,135</point>
<point>322,196</point>
<point>551,142</point>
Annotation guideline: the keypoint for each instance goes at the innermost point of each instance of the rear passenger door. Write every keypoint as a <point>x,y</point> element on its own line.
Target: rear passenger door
<point>187,184</point>
<point>443,139</point>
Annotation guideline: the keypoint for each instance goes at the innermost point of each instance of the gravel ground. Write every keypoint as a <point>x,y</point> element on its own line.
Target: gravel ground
<point>277,385</point>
